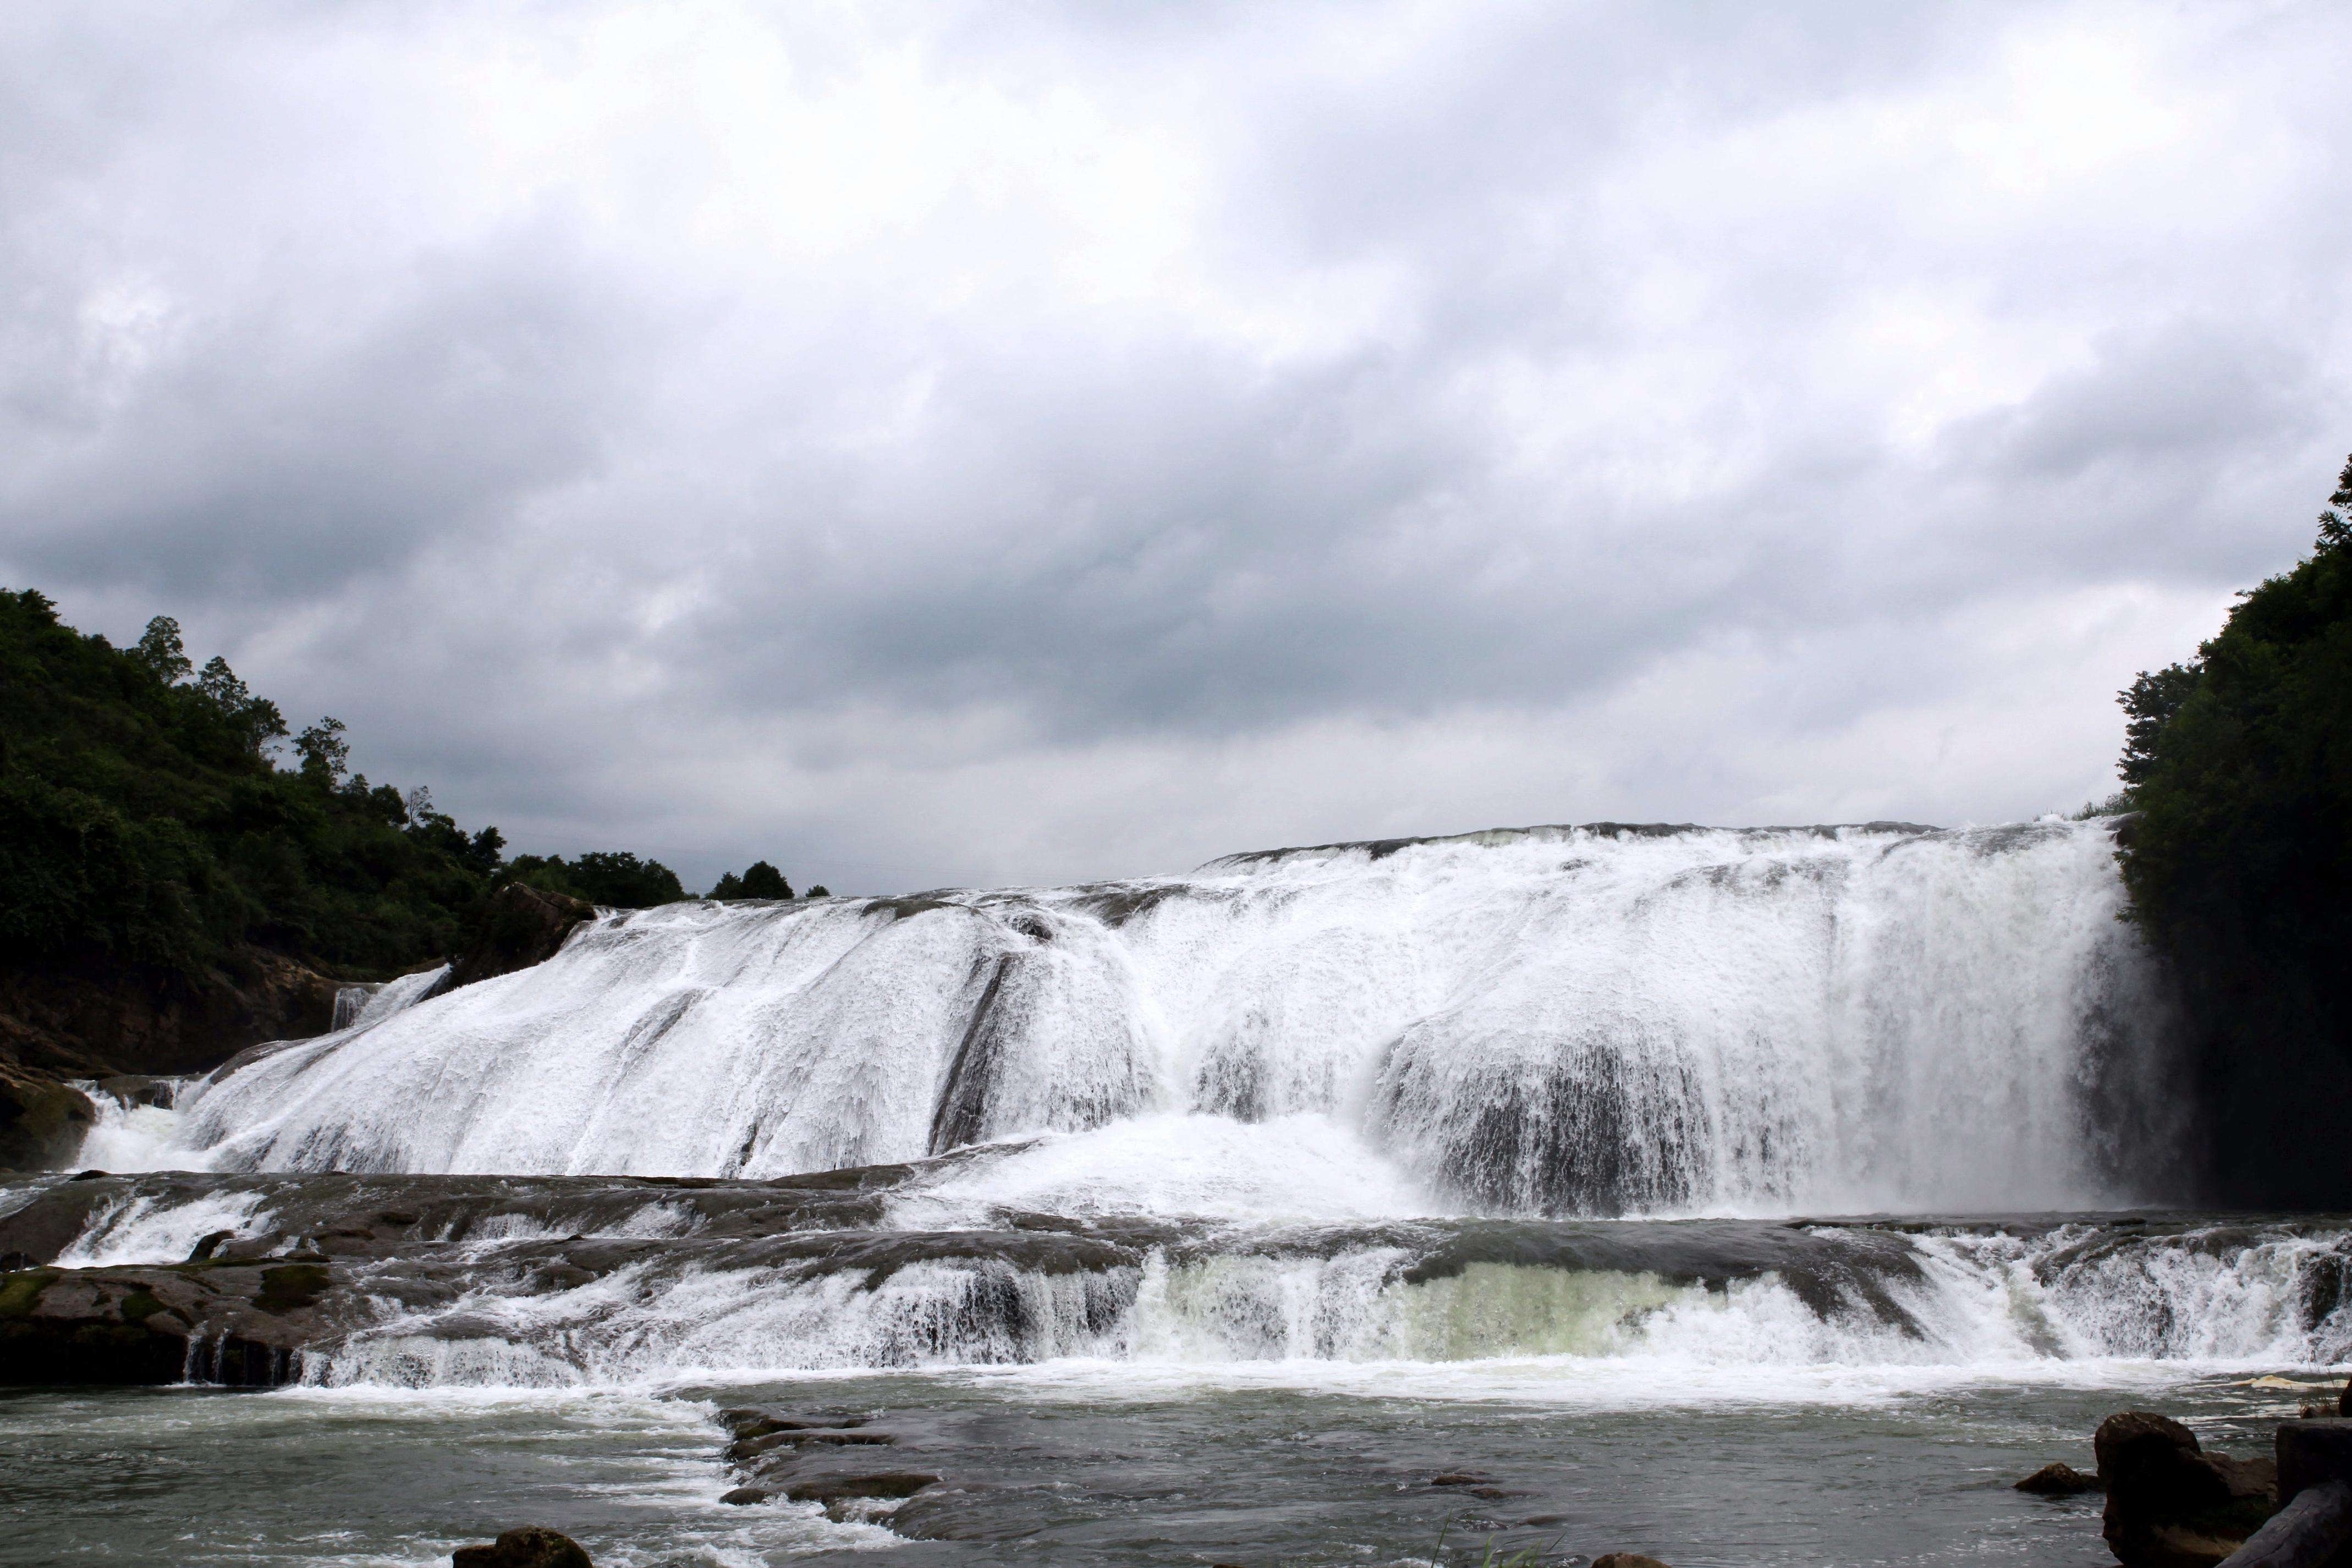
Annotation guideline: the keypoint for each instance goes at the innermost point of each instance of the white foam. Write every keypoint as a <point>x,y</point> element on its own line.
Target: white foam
<point>1291,1168</point>
<point>127,1137</point>
<point>143,1230</point>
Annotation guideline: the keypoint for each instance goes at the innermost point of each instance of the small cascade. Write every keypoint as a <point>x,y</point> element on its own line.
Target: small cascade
<point>351,1000</point>
<point>137,1125</point>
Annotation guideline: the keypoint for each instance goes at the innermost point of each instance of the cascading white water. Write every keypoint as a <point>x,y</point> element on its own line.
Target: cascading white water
<point>1565,1020</point>
<point>1981,1301</point>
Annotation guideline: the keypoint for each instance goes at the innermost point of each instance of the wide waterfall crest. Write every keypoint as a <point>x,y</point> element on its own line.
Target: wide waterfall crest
<point>1567,1020</point>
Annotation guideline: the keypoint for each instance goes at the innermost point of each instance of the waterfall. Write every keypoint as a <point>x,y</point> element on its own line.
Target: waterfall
<point>1598,1019</point>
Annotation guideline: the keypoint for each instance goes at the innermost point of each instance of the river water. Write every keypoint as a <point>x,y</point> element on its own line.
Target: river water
<point>1089,1463</point>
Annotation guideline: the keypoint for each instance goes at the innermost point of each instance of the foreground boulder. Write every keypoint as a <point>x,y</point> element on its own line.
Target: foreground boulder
<point>2170,1503</point>
<point>1626,1560</point>
<point>533,1546</point>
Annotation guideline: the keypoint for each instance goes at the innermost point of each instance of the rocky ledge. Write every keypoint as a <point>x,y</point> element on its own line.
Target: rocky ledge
<point>841,1461</point>
<point>235,1323</point>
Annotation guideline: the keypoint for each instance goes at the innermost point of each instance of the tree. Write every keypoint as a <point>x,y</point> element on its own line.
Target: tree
<point>162,652</point>
<point>326,755</point>
<point>2240,764</point>
<point>254,721</point>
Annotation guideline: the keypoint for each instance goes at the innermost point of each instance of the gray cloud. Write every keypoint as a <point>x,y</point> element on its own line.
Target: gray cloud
<point>984,444</point>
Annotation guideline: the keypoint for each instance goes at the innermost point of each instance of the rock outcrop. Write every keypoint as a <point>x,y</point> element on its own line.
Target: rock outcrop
<point>827,1459</point>
<point>2170,1503</point>
<point>42,1120</point>
<point>533,1546</point>
<point>2058,1480</point>
<point>78,1024</point>
<point>69,1024</point>
<point>315,1258</point>
<point>523,926</point>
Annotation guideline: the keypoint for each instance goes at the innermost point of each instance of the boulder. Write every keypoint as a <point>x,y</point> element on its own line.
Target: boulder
<point>1626,1560</point>
<point>2058,1480</point>
<point>533,1546</point>
<point>42,1120</point>
<point>140,1089</point>
<point>523,926</point>
<point>2170,1503</point>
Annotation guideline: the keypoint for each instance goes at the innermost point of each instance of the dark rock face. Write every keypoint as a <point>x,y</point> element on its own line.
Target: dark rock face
<point>533,1546</point>
<point>96,1024</point>
<point>524,927</point>
<point>42,1120</point>
<point>2170,1503</point>
<point>2058,1480</point>
<point>72,1024</point>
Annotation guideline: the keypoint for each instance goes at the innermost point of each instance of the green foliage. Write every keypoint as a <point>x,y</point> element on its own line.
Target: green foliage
<point>819,890</point>
<point>161,650</point>
<point>142,819</point>
<point>760,881</point>
<point>2239,763</point>
<point>326,755</point>
<point>612,878</point>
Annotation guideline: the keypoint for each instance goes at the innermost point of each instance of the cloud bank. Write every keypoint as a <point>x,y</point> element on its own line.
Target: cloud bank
<point>929,444</point>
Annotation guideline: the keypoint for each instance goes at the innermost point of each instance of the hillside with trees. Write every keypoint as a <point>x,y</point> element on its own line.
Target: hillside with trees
<point>2239,765</point>
<point>182,875</point>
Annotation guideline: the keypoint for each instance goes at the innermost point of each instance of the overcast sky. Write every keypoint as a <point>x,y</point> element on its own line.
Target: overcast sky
<point>934,443</point>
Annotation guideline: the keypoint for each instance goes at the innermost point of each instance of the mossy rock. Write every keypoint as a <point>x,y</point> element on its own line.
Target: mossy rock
<point>20,1290</point>
<point>291,1286</point>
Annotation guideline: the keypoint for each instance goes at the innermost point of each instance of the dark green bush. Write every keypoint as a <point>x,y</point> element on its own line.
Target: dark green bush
<point>760,881</point>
